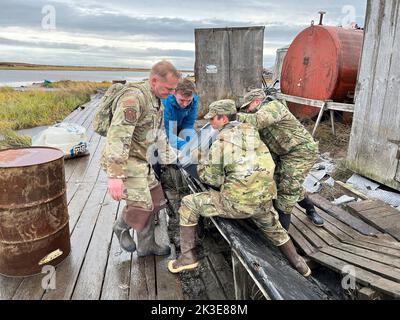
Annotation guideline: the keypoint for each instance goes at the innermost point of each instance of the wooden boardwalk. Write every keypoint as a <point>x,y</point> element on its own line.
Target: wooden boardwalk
<point>97,268</point>
<point>375,259</point>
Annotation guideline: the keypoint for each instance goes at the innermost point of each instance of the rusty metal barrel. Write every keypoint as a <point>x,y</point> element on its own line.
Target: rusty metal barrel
<point>34,228</point>
<point>321,63</point>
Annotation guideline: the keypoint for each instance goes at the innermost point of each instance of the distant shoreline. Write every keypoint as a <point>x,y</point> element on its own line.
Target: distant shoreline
<point>28,66</point>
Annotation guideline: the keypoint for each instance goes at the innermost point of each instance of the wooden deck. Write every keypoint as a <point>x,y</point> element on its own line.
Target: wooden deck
<point>375,259</point>
<point>97,268</point>
<point>378,214</point>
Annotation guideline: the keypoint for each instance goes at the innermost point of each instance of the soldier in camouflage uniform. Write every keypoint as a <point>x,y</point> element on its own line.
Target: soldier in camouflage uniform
<point>240,165</point>
<point>132,134</point>
<point>293,148</point>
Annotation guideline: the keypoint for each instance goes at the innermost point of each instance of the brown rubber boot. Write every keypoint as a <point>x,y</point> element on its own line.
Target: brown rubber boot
<point>187,259</point>
<point>295,260</point>
<point>146,242</point>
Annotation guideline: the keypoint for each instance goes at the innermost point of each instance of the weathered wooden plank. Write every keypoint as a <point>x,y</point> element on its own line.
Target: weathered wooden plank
<point>8,286</point>
<point>379,257</point>
<point>300,240</point>
<point>343,215</point>
<point>364,277</point>
<point>220,267</point>
<point>349,189</point>
<point>367,264</point>
<point>68,271</point>
<point>90,279</point>
<point>368,294</point>
<point>139,289</point>
<point>329,226</point>
<point>78,203</point>
<point>376,118</point>
<point>211,283</point>
<point>117,277</point>
<point>168,284</point>
<point>356,235</point>
<point>314,239</point>
<point>365,205</point>
<point>323,234</point>
<point>266,266</point>
<point>374,247</point>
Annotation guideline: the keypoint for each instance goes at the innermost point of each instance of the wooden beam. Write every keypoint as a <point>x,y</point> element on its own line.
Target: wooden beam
<point>366,293</point>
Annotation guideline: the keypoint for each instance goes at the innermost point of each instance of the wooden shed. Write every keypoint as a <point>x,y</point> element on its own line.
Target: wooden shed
<point>374,149</point>
<point>229,61</point>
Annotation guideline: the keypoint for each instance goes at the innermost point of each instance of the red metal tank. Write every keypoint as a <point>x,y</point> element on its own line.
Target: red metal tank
<point>321,63</point>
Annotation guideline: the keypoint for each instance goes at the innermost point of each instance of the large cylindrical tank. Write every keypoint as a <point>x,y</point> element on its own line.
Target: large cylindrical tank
<point>34,229</point>
<point>322,63</point>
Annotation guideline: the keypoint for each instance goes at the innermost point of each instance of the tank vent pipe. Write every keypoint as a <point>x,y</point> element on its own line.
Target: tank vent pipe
<point>321,17</point>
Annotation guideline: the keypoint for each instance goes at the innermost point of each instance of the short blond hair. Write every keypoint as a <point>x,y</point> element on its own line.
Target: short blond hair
<point>163,68</point>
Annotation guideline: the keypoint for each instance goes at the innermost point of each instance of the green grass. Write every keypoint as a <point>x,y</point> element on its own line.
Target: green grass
<point>37,107</point>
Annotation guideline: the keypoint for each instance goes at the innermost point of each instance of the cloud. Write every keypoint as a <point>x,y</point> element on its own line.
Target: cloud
<point>127,31</point>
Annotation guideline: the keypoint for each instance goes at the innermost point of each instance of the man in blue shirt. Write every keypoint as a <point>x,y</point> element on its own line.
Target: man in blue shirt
<point>180,114</point>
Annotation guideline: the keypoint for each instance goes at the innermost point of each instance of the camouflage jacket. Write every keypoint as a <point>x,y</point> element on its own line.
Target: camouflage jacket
<point>136,122</point>
<point>240,164</point>
<point>278,127</point>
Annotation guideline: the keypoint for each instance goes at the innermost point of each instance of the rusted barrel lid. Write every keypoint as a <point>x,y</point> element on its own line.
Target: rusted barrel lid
<point>13,158</point>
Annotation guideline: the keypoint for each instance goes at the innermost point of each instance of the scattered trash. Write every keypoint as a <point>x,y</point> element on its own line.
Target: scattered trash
<point>343,199</point>
<point>319,171</point>
<point>362,183</point>
<point>330,182</point>
<point>374,191</point>
<point>68,137</point>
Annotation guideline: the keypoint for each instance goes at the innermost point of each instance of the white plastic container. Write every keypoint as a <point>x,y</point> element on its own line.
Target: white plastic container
<point>69,137</point>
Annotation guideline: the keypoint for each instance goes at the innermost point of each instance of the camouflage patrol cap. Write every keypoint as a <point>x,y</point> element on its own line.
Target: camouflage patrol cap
<point>220,108</point>
<point>251,95</point>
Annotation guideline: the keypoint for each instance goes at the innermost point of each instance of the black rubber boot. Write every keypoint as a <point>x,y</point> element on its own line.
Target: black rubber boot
<point>315,218</point>
<point>284,219</point>
<point>121,230</point>
<point>147,243</point>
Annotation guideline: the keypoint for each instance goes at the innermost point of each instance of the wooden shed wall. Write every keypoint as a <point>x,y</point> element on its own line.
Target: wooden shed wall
<point>374,149</point>
<point>229,61</point>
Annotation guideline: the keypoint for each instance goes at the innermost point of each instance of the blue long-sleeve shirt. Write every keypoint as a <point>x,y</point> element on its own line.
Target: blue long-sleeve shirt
<point>177,119</point>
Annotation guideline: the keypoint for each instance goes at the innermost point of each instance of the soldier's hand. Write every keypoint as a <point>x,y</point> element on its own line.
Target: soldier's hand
<point>115,188</point>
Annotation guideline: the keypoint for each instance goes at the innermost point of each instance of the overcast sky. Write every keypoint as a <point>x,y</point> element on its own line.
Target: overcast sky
<point>131,33</point>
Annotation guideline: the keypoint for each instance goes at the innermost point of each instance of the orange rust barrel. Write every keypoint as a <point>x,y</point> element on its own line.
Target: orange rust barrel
<point>321,63</point>
<point>34,229</point>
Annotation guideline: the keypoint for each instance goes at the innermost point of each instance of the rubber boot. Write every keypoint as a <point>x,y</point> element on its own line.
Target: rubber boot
<point>146,242</point>
<point>315,218</point>
<point>289,251</point>
<point>121,230</point>
<point>284,219</point>
<point>187,259</point>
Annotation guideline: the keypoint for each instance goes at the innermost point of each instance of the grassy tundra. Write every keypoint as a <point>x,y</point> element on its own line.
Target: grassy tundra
<point>37,107</point>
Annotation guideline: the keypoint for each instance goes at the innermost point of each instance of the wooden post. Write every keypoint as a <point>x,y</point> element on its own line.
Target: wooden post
<point>321,112</point>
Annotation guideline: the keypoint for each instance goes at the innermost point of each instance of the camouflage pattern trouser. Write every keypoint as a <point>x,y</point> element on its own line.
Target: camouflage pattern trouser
<point>212,203</point>
<point>290,172</point>
<point>140,179</point>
